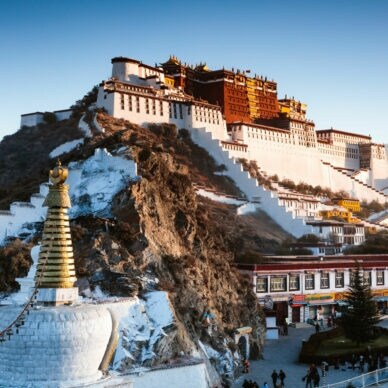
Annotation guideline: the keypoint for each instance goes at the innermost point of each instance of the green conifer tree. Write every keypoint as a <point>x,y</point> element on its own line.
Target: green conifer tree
<point>360,314</point>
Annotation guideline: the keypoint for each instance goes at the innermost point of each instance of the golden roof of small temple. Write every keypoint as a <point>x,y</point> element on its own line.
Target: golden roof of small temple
<point>56,263</point>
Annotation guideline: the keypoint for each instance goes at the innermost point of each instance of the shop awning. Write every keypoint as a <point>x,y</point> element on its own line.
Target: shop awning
<point>317,303</point>
<point>381,298</point>
<point>341,303</point>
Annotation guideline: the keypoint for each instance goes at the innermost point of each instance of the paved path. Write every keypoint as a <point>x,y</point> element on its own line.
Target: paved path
<point>283,354</point>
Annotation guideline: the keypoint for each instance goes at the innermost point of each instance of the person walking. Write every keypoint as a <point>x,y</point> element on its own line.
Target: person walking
<point>274,377</point>
<point>316,380</point>
<point>282,376</point>
<point>308,378</point>
<point>246,366</point>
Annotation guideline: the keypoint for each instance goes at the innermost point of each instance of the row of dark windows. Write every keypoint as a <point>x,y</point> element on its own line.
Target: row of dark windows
<point>278,283</point>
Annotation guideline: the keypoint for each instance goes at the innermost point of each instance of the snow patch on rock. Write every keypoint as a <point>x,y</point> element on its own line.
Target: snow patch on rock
<point>246,209</point>
<point>65,147</point>
<point>94,182</point>
<point>84,127</point>
<point>141,329</point>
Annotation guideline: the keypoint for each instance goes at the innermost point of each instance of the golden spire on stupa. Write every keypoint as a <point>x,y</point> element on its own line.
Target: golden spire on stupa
<point>56,263</point>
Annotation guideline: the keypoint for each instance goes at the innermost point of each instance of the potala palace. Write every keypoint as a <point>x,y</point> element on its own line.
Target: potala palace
<point>236,117</point>
<point>240,121</point>
<point>243,114</point>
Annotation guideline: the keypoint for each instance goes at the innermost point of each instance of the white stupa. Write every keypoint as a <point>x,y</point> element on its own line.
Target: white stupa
<point>62,342</point>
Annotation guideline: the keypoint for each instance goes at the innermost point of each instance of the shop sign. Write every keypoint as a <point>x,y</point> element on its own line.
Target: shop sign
<point>339,295</point>
<point>298,298</point>
<point>320,298</point>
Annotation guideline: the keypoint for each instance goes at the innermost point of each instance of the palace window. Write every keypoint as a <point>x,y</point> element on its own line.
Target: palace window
<point>188,110</point>
<point>170,109</point>
<point>379,278</point>
<point>147,104</point>
<point>122,101</point>
<point>325,280</point>
<point>161,107</point>
<point>294,282</point>
<point>137,104</point>
<point>367,277</point>
<point>339,279</point>
<point>261,284</point>
<point>153,107</point>
<point>174,107</point>
<point>309,281</point>
<point>180,111</point>
<point>130,103</point>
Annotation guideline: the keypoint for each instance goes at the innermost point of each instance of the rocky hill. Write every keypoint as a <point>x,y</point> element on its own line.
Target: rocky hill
<point>162,234</point>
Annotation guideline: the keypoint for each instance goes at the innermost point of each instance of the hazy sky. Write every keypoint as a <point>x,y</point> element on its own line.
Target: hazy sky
<point>331,54</point>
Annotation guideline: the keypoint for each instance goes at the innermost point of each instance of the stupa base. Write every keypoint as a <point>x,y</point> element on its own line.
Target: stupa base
<point>57,296</point>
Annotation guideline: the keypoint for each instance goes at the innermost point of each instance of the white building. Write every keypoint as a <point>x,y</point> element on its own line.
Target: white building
<point>304,287</point>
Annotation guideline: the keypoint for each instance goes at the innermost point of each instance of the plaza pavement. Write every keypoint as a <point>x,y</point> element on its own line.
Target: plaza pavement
<point>283,354</point>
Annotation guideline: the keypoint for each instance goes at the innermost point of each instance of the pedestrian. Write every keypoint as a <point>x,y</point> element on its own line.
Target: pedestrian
<point>246,366</point>
<point>316,380</point>
<point>316,327</point>
<point>245,384</point>
<point>285,328</point>
<point>353,361</point>
<point>361,363</point>
<point>274,377</point>
<point>308,379</point>
<point>282,376</point>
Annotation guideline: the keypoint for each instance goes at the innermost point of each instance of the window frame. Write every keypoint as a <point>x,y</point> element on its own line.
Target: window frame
<point>324,277</point>
<point>265,281</point>
<point>309,277</point>
<point>283,279</point>
<point>342,278</point>
<point>291,279</point>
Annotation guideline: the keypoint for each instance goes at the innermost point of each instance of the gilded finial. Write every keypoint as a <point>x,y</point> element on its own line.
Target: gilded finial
<point>56,263</point>
<point>59,174</point>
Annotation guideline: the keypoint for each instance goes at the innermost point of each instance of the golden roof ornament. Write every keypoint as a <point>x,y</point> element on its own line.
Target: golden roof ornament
<point>56,263</point>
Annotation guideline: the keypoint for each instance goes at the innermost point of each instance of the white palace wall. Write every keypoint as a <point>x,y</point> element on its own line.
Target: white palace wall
<point>145,109</point>
<point>249,186</point>
<point>379,169</point>
<point>277,152</point>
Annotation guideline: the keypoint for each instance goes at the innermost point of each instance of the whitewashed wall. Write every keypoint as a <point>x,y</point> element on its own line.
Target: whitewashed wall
<point>31,119</point>
<point>249,186</point>
<point>55,345</point>
<point>192,376</point>
<point>187,116</point>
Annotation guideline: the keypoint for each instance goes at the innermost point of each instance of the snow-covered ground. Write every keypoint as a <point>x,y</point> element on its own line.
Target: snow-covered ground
<point>92,185</point>
<point>141,328</point>
<point>94,182</point>
<point>66,147</point>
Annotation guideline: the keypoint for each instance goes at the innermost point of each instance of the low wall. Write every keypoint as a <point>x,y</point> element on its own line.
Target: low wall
<point>188,376</point>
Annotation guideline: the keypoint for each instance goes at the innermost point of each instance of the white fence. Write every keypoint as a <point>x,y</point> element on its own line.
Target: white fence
<point>366,380</point>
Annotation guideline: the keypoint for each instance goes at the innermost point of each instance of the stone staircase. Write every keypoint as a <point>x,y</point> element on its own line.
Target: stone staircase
<point>367,188</point>
<point>249,186</point>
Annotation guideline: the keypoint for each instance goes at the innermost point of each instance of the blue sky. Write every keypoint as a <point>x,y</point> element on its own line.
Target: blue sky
<point>333,55</point>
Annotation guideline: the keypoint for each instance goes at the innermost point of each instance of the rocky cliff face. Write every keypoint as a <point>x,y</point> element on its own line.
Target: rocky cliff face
<point>163,235</point>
